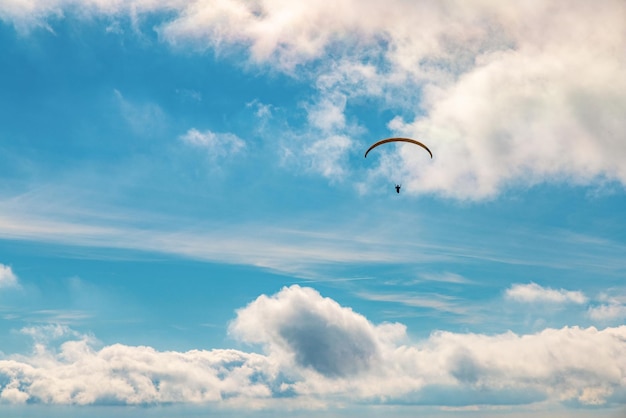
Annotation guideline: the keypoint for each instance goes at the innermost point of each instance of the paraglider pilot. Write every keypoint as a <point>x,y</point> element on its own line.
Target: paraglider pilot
<point>398,188</point>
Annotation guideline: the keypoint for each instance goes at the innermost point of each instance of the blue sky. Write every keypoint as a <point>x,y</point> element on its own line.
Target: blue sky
<point>188,226</point>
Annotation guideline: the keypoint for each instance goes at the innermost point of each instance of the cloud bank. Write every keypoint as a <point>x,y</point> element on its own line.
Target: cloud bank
<point>315,351</point>
<point>504,95</point>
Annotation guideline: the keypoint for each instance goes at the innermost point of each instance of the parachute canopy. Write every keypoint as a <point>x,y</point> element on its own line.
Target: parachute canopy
<point>412,141</point>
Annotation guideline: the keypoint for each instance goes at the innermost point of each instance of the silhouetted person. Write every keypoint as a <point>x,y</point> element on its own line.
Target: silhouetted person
<point>398,188</point>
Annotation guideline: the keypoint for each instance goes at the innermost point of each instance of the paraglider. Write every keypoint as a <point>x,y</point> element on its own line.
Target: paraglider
<point>409,140</point>
<point>412,141</point>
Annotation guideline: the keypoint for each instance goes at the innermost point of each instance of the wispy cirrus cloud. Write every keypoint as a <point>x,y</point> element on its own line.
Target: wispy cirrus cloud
<point>437,302</point>
<point>144,118</point>
<point>216,145</point>
<point>446,277</point>
<point>288,244</point>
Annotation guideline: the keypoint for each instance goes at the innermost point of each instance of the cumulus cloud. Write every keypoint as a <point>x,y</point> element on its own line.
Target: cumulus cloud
<point>315,332</point>
<point>7,277</point>
<point>50,332</point>
<point>607,312</point>
<point>508,95</point>
<point>503,95</point>
<point>533,292</point>
<point>314,349</point>
<point>608,308</point>
<point>78,373</point>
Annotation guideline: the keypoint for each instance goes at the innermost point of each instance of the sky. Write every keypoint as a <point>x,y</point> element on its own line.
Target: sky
<point>188,225</point>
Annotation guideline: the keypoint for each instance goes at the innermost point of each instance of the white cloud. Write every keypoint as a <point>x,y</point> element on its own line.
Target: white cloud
<point>509,97</point>
<point>143,118</point>
<point>533,292</point>
<point>263,111</point>
<point>607,312</point>
<point>287,244</point>
<point>282,246</point>
<point>46,333</point>
<point>217,145</point>
<point>7,277</point>
<point>319,352</point>
<point>311,331</point>
<point>446,277</point>
<point>437,302</point>
<point>81,374</point>
<point>26,14</point>
<point>503,95</point>
<point>325,143</point>
<point>611,306</point>
<point>327,155</point>
<point>525,116</point>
